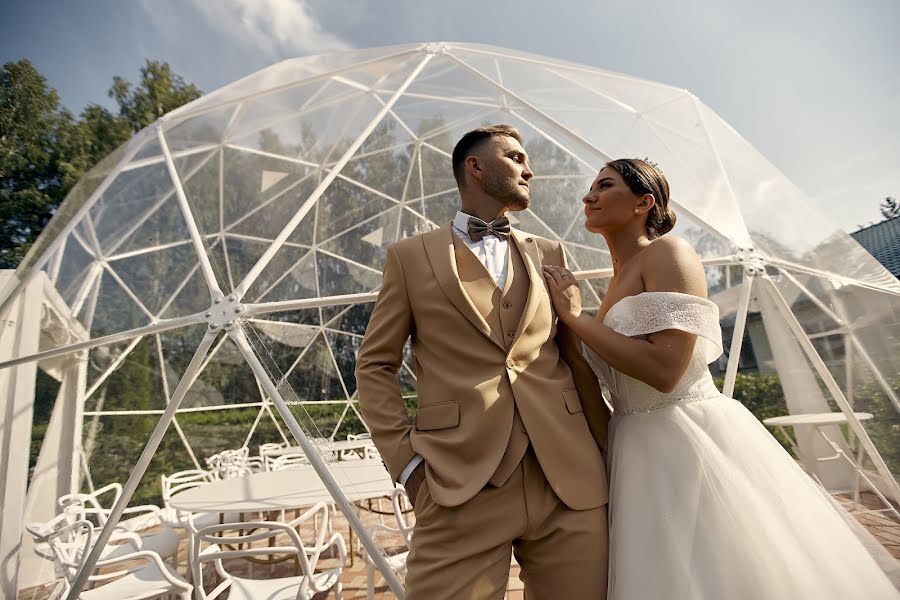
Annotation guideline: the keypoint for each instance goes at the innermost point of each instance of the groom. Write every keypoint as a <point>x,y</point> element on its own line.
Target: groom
<point>504,450</point>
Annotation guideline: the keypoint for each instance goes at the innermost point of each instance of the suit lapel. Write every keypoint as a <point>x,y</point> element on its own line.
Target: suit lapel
<point>441,255</point>
<point>536,290</point>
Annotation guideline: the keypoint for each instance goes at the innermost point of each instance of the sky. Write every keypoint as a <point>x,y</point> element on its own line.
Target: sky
<point>814,85</point>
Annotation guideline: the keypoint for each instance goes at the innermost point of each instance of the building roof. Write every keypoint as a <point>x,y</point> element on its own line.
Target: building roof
<point>882,240</point>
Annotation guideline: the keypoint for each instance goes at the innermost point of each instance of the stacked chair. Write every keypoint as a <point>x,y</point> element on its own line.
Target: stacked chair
<point>146,526</point>
<point>127,567</point>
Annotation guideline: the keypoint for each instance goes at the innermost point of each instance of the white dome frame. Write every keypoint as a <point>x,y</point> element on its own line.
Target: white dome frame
<point>766,276</point>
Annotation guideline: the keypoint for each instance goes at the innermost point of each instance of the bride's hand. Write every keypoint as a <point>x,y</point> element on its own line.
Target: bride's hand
<point>564,292</point>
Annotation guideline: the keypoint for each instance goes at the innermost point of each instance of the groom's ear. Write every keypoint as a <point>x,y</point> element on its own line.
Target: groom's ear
<point>473,167</point>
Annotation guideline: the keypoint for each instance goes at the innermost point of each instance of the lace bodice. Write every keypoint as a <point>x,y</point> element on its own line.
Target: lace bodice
<point>650,312</point>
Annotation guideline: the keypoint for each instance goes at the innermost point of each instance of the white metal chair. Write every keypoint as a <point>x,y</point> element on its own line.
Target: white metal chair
<point>181,481</point>
<point>269,451</point>
<point>135,518</point>
<point>212,463</point>
<point>231,463</point>
<point>142,573</point>
<point>256,463</point>
<point>401,506</point>
<point>270,446</point>
<point>163,540</point>
<point>323,449</point>
<point>287,461</point>
<point>360,452</point>
<point>41,531</point>
<point>189,523</point>
<point>266,538</point>
<point>120,543</point>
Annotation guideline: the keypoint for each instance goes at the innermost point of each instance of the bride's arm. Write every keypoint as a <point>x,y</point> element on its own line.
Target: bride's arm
<point>660,360</point>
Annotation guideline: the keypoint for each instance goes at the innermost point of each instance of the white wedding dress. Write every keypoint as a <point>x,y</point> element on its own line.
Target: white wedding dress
<point>704,503</point>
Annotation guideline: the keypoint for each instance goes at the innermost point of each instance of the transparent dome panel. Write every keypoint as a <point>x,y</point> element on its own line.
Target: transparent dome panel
<point>272,150</point>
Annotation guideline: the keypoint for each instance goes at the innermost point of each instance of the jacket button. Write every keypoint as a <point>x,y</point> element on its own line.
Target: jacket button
<point>529,239</point>
<point>511,334</point>
<point>507,305</point>
<point>511,364</point>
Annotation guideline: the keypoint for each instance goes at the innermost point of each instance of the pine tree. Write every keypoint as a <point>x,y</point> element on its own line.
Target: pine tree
<point>890,208</point>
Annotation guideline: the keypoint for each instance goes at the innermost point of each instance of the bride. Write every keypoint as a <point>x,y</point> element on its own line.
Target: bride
<point>704,502</point>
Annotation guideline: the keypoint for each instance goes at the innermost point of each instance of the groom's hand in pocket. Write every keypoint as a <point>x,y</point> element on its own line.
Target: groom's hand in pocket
<point>414,483</point>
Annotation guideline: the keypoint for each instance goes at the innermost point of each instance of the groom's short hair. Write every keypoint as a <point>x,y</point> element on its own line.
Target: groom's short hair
<point>470,144</point>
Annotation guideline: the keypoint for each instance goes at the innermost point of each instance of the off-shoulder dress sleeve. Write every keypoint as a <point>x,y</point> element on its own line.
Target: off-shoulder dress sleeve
<point>651,312</point>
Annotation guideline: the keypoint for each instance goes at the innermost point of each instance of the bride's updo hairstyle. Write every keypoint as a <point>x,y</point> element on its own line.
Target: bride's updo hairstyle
<point>644,178</point>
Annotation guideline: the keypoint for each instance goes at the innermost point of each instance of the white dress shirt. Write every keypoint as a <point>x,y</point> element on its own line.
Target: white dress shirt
<point>493,253</point>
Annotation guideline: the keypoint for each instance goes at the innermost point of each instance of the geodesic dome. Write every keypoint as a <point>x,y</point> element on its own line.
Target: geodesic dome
<point>227,256</point>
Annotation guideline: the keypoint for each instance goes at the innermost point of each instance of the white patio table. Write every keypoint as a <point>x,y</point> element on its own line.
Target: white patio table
<point>283,490</point>
<point>288,489</point>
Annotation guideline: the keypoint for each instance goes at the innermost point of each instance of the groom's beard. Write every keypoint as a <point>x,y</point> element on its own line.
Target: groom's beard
<point>507,191</point>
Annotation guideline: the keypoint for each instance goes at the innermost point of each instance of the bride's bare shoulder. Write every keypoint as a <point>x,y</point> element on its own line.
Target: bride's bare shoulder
<point>670,244</point>
<point>670,264</point>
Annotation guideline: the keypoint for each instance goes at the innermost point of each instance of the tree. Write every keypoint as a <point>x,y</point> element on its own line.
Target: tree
<point>159,92</point>
<point>890,208</point>
<point>44,150</point>
<point>103,132</point>
<point>40,157</point>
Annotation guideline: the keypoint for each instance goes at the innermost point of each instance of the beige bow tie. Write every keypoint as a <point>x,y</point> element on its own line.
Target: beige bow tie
<point>477,228</point>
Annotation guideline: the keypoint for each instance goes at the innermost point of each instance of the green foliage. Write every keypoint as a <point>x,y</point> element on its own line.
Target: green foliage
<point>122,438</point>
<point>46,390</point>
<point>160,91</point>
<point>890,208</point>
<point>131,386</point>
<point>45,150</point>
<point>884,428</point>
<point>102,131</point>
<point>40,157</point>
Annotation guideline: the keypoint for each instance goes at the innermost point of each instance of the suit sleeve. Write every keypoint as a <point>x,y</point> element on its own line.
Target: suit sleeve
<point>595,409</point>
<point>380,358</point>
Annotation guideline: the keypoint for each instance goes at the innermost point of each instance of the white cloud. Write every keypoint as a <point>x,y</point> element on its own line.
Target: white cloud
<point>279,28</point>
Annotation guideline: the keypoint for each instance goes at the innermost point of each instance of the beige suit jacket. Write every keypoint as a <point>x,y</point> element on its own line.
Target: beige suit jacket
<point>468,383</point>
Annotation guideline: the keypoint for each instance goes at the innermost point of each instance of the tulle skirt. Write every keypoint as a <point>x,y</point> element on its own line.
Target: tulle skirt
<point>706,505</point>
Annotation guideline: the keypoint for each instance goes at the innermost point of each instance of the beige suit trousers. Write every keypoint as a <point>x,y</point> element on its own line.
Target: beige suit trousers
<point>463,552</point>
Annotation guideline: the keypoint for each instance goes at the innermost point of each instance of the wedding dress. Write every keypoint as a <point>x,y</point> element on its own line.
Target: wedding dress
<point>704,503</point>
